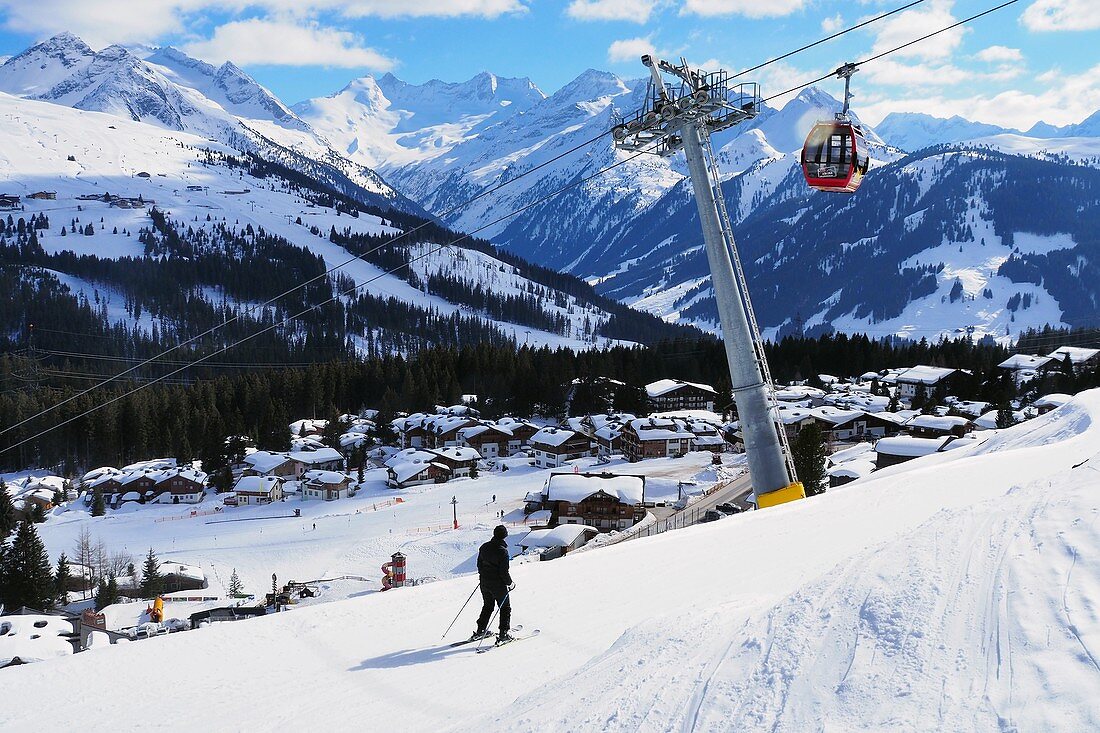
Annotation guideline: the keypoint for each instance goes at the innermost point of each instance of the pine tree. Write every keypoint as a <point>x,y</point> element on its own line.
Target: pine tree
<point>99,506</point>
<point>61,580</point>
<point>808,451</point>
<point>101,595</point>
<point>28,580</point>
<point>152,584</point>
<point>235,587</point>
<point>38,513</point>
<point>1005,418</point>
<point>7,512</point>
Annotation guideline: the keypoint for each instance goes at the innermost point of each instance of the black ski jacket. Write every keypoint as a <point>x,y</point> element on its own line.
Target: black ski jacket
<point>492,565</point>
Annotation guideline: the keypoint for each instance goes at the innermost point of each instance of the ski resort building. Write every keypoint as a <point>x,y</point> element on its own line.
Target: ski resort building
<point>316,459</point>
<point>179,486</point>
<point>266,463</point>
<point>552,447</point>
<point>327,485</point>
<point>670,395</point>
<point>413,467</point>
<point>935,426</point>
<point>258,489</point>
<point>929,378</point>
<point>460,462</point>
<point>554,542</point>
<point>1080,358</point>
<point>605,501</point>
<point>490,441</point>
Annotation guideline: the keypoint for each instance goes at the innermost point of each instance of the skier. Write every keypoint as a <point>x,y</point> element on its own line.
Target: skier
<point>496,583</point>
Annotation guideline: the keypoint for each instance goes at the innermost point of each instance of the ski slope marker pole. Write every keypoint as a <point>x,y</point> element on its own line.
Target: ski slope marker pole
<point>460,612</point>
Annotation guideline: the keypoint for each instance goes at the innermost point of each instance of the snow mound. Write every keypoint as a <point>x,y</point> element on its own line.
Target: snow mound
<point>954,592</point>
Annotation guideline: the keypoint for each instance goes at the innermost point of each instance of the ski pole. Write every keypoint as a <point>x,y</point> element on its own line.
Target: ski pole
<point>460,612</point>
<point>494,616</point>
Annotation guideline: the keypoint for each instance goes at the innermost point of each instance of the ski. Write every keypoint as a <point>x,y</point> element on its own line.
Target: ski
<point>505,643</point>
<point>471,640</point>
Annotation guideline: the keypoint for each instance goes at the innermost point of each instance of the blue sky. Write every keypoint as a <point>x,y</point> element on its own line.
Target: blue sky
<point>1034,60</point>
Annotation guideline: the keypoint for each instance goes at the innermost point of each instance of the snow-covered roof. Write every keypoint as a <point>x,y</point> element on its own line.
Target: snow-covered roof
<point>194,572</point>
<point>457,453</point>
<point>924,374</point>
<point>1024,361</point>
<point>798,392</point>
<point>552,436</point>
<point>700,440</point>
<point>664,386</point>
<point>1077,354</point>
<point>656,428</point>
<point>859,451</point>
<point>935,422</point>
<point>561,536</point>
<point>97,472</point>
<point>326,477</point>
<point>256,484</point>
<point>300,427</point>
<point>155,464</point>
<point>265,461</point>
<point>318,455</point>
<point>852,469</point>
<point>970,408</point>
<point>988,421</point>
<point>576,487</point>
<point>904,445</point>
<point>834,415</point>
<point>1057,399</point>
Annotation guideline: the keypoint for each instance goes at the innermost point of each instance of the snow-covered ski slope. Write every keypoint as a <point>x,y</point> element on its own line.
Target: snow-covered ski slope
<point>109,153</point>
<point>954,593</point>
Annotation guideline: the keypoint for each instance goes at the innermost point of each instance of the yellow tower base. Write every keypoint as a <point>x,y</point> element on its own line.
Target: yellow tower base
<point>781,496</point>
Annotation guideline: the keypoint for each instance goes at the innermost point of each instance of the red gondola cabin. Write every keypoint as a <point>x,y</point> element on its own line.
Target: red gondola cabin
<point>835,157</point>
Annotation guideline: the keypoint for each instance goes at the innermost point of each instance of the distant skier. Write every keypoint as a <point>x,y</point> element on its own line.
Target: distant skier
<point>496,582</point>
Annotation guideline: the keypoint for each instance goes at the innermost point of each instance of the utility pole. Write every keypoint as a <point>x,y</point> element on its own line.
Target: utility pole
<point>682,116</point>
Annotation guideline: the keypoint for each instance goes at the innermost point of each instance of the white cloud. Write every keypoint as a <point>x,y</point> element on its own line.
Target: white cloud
<point>283,43</point>
<point>101,22</point>
<point>1062,15</point>
<point>1000,55</point>
<point>912,24</point>
<point>747,8</point>
<point>629,49</point>
<point>1064,100</point>
<point>833,24</point>
<point>637,11</point>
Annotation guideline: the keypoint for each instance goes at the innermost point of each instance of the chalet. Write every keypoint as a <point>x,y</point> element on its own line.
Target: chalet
<point>442,430</point>
<point>179,486</point>
<point>1079,358</point>
<point>558,541</point>
<point>489,441</point>
<point>410,430</point>
<point>461,461</point>
<point>1025,366</point>
<point>521,431</point>
<point>315,459</point>
<point>8,202</point>
<point>265,463</point>
<point>902,448</point>
<point>412,467</point>
<point>934,426</point>
<point>930,379</point>
<point>554,446</point>
<point>258,489</point>
<point>653,437</point>
<point>307,427</point>
<point>846,425</point>
<point>327,485</point>
<point>179,577</point>
<point>44,195</point>
<point>195,187</point>
<point>142,481</point>
<point>602,500</point>
<point>849,471</point>
<point>675,395</point>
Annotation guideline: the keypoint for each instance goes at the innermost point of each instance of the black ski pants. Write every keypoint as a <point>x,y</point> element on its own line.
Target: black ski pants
<point>491,597</point>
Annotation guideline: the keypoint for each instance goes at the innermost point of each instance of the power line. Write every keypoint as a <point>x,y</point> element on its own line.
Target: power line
<point>572,184</point>
<point>896,48</point>
<point>354,258</point>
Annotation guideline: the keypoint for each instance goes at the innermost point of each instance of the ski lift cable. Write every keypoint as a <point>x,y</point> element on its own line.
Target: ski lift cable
<point>826,39</point>
<point>429,252</point>
<point>907,44</point>
<point>296,288</point>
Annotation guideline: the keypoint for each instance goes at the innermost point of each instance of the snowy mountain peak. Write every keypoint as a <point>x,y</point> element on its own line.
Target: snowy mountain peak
<point>591,85</point>
<point>43,65</point>
<point>916,130</point>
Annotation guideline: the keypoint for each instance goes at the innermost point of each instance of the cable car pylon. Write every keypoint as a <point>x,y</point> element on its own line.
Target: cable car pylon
<point>682,116</point>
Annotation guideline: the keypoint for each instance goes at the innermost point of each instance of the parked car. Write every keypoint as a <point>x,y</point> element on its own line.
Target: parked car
<point>712,516</point>
<point>728,508</point>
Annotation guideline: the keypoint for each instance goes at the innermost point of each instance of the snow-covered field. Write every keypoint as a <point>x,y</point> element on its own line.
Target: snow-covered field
<point>957,592</point>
